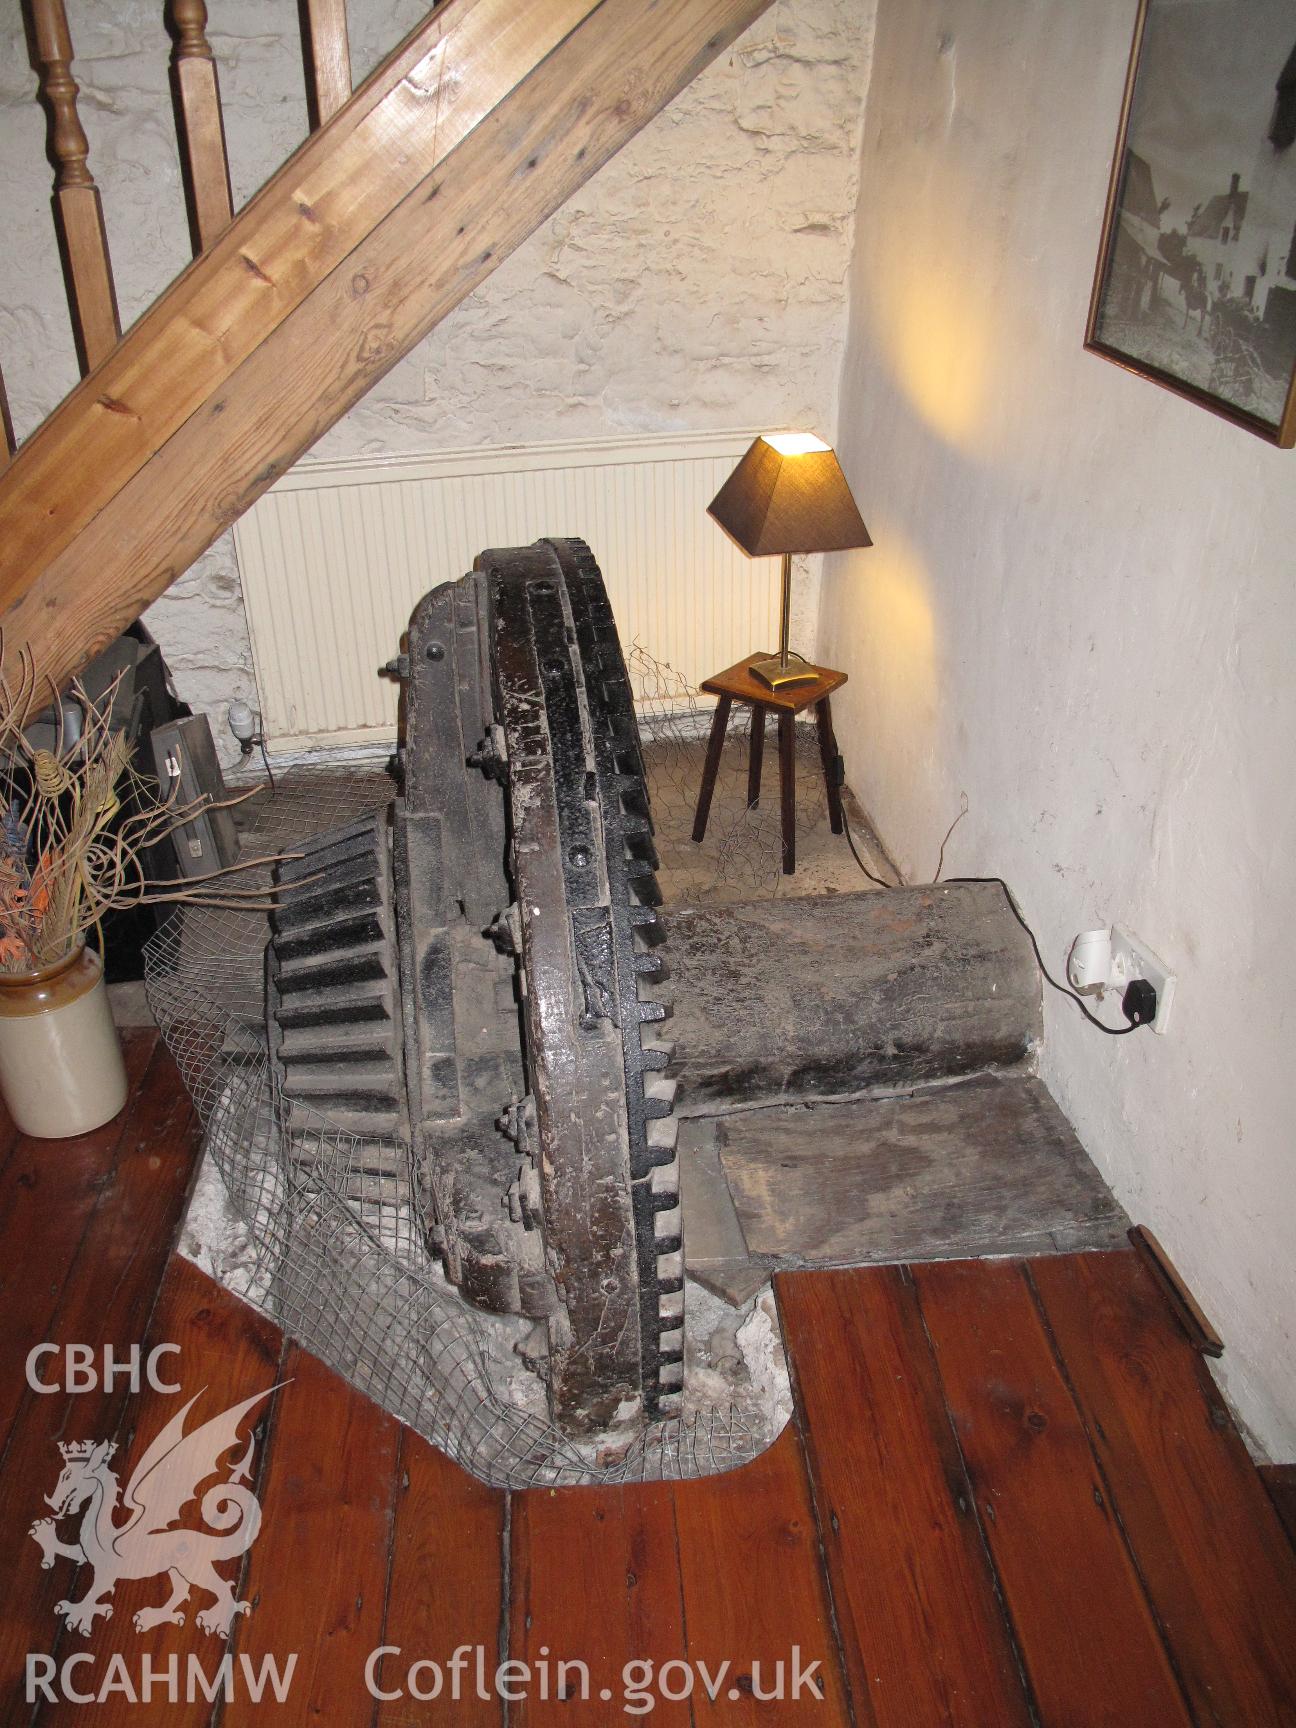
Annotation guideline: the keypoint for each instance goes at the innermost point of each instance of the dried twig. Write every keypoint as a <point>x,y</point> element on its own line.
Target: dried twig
<point>76,822</point>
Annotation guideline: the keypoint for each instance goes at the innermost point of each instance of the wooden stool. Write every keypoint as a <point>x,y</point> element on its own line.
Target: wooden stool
<point>738,685</point>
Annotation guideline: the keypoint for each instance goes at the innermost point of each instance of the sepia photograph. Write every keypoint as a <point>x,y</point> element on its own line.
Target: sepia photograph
<point>1196,280</point>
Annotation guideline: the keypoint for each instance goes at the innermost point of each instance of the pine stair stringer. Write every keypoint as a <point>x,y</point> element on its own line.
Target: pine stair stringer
<point>485,120</point>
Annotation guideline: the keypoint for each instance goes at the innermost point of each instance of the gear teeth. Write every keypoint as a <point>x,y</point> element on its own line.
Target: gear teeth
<point>654,1155</point>
<point>640,850</point>
<point>665,1181</point>
<point>643,881</point>
<point>659,1099</point>
<point>670,1266</point>
<point>634,794</point>
<point>662,1133</point>
<point>669,1226</point>
<point>325,960</point>
<point>646,922</point>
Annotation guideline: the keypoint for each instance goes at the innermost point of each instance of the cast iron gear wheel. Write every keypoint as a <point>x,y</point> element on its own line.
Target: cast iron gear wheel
<point>333,1019</point>
<point>583,866</point>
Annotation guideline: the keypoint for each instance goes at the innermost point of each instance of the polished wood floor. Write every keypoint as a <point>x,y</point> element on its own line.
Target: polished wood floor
<point>1010,1495</point>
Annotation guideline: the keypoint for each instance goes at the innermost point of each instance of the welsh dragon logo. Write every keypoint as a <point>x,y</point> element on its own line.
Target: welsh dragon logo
<point>144,1543</point>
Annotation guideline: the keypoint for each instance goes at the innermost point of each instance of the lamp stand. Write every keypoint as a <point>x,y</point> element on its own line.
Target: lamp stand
<point>777,672</point>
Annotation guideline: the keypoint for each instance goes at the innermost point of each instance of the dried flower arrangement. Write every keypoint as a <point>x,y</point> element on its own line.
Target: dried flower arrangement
<point>76,825</point>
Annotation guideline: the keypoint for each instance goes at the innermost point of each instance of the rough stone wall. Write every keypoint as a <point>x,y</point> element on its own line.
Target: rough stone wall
<point>697,282</point>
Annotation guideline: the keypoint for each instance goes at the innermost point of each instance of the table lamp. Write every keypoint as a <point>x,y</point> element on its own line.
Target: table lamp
<point>788,494</point>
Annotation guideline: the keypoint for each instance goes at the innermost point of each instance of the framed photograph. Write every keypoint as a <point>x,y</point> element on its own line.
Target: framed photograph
<point>1196,281</point>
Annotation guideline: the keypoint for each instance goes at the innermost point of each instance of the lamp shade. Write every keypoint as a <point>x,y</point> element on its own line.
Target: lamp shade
<point>788,494</point>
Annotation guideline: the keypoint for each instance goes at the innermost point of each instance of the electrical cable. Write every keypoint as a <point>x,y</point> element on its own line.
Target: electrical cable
<point>998,881</point>
<point>850,841</point>
<point>269,770</point>
<point>1062,989</point>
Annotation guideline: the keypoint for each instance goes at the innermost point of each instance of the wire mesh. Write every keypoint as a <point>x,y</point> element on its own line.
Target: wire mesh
<point>337,1252</point>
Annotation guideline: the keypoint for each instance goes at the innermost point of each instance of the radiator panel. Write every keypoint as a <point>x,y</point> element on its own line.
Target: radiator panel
<point>335,557</point>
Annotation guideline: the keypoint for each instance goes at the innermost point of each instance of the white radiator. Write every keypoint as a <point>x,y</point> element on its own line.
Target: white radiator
<point>336,556</point>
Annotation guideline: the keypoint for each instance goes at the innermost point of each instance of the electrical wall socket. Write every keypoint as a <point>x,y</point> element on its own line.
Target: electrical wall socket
<point>1132,958</point>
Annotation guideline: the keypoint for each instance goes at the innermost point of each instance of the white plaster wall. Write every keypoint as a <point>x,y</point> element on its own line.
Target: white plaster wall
<point>698,282</point>
<point>1079,610</point>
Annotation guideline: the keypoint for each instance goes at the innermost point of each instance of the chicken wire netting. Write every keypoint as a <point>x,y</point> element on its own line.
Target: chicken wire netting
<point>334,1250</point>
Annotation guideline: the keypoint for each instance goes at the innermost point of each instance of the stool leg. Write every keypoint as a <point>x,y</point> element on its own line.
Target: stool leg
<point>714,747</point>
<point>828,756</point>
<point>787,786</point>
<point>757,755</point>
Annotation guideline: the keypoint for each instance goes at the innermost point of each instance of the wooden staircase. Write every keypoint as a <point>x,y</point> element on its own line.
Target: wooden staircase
<point>406,196</point>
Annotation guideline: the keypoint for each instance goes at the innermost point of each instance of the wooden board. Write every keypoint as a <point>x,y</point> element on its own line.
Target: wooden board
<point>991,1461</point>
<point>757,1525</point>
<point>314,292</point>
<point>594,1579</point>
<point>840,993</point>
<point>48,1193</point>
<point>737,682</point>
<point>985,1166</point>
<point>446,1589</point>
<point>328,58</point>
<point>1090,1646</point>
<point>1217,1564</point>
<point>228,1353</point>
<point>424,99</point>
<point>921,1626</point>
<point>108,1300</point>
<point>1280,1481</point>
<point>318,1575</point>
<point>717,1251</point>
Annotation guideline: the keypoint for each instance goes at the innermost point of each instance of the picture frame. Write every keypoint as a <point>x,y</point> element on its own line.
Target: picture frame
<point>1195,285</point>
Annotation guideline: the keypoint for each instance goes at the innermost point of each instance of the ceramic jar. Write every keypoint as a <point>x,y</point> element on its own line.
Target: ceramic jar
<point>61,1069</point>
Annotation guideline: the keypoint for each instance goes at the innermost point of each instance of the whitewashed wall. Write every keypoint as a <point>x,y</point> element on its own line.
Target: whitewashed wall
<point>697,283</point>
<point>1079,610</point>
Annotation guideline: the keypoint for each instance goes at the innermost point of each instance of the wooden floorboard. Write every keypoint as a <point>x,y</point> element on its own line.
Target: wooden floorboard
<point>48,1191</point>
<point>108,1300</point>
<point>8,1139</point>
<point>228,1353</point>
<point>445,1591</point>
<point>1280,1481</point>
<point>1216,1562</point>
<point>595,1579</point>
<point>1010,1495</point>
<point>923,1632</point>
<point>1090,1645</point>
<point>317,1583</point>
<point>756,1603</point>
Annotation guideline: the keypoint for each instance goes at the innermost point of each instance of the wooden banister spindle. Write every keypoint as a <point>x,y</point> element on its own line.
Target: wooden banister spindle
<point>203,157</point>
<point>328,58</point>
<point>78,215</point>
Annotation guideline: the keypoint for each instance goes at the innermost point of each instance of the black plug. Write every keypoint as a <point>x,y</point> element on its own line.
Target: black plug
<point>1139,1002</point>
